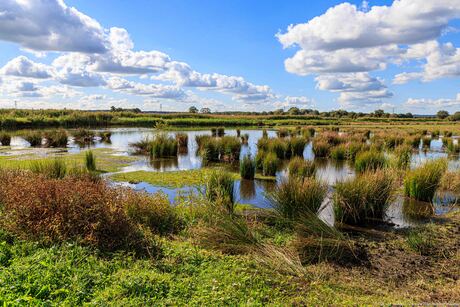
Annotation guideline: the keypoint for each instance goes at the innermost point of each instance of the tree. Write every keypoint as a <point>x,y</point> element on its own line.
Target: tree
<point>294,111</point>
<point>455,116</point>
<point>205,110</point>
<point>442,114</point>
<point>193,109</point>
<point>379,113</point>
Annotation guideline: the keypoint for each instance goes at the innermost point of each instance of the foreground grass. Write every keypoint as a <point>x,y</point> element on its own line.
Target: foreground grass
<point>184,274</point>
<point>106,160</point>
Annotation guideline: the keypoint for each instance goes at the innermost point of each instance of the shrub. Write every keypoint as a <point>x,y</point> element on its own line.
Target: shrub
<point>34,138</point>
<point>163,146</point>
<point>295,196</point>
<point>5,139</point>
<point>247,168</point>
<point>321,148</point>
<point>70,209</point>
<point>90,161</point>
<point>270,164</point>
<point>56,138</point>
<point>422,182</point>
<point>302,168</point>
<point>370,160</point>
<point>50,168</point>
<point>363,198</point>
<point>219,190</point>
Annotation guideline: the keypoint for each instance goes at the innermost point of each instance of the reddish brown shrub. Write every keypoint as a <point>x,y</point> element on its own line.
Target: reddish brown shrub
<point>78,208</point>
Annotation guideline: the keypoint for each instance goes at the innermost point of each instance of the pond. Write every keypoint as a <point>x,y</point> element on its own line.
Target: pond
<point>254,192</point>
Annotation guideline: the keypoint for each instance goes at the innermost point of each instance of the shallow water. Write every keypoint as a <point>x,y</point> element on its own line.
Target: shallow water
<point>400,212</point>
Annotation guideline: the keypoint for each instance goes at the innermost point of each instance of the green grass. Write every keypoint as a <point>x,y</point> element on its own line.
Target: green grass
<point>422,182</point>
<point>107,162</point>
<point>177,179</point>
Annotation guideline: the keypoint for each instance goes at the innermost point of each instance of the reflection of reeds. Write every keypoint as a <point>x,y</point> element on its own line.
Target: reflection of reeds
<point>415,210</point>
<point>247,189</point>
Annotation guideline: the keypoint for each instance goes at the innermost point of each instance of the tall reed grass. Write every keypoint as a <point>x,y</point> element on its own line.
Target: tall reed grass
<point>219,191</point>
<point>270,164</point>
<point>422,182</point>
<point>163,146</point>
<point>5,139</point>
<point>295,196</point>
<point>364,198</point>
<point>56,138</point>
<point>34,138</point>
<point>370,160</point>
<point>90,161</point>
<point>302,168</point>
<point>247,168</point>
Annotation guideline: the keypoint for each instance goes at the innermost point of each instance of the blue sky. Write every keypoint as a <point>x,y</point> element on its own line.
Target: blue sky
<point>226,55</point>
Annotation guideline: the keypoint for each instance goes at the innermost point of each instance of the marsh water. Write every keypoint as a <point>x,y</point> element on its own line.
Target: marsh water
<point>401,212</point>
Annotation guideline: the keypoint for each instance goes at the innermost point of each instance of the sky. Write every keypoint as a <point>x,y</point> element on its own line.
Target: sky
<point>238,55</point>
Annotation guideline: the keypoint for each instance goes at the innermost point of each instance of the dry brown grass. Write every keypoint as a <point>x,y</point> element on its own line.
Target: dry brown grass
<point>80,209</point>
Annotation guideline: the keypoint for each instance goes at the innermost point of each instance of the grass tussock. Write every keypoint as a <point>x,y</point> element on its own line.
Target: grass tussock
<point>321,148</point>
<point>83,135</point>
<point>163,146</point>
<point>105,136</point>
<point>370,161</point>
<point>224,149</point>
<point>56,138</point>
<point>182,139</point>
<point>422,182</point>
<point>299,167</point>
<point>5,139</point>
<point>402,156</point>
<point>53,168</point>
<point>34,138</point>
<point>295,196</point>
<point>219,188</point>
<point>90,161</point>
<point>364,198</point>
<point>247,168</point>
<point>270,164</point>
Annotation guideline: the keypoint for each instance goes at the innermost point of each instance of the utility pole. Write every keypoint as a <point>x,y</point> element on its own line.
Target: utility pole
<point>15,104</point>
<point>161,107</point>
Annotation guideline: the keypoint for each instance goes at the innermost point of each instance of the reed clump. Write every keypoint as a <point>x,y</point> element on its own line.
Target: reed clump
<point>219,191</point>
<point>34,138</point>
<point>50,168</point>
<point>163,146</point>
<point>182,139</point>
<point>364,198</point>
<point>302,168</point>
<point>270,164</point>
<point>105,136</point>
<point>294,196</point>
<point>370,160</point>
<point>56,138</point>
<point>90,161</point>
<point>321,148</point>
<point>5,139</point>
<point>83,135</point>
<point>422,182</point>
<point>247,168</point>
